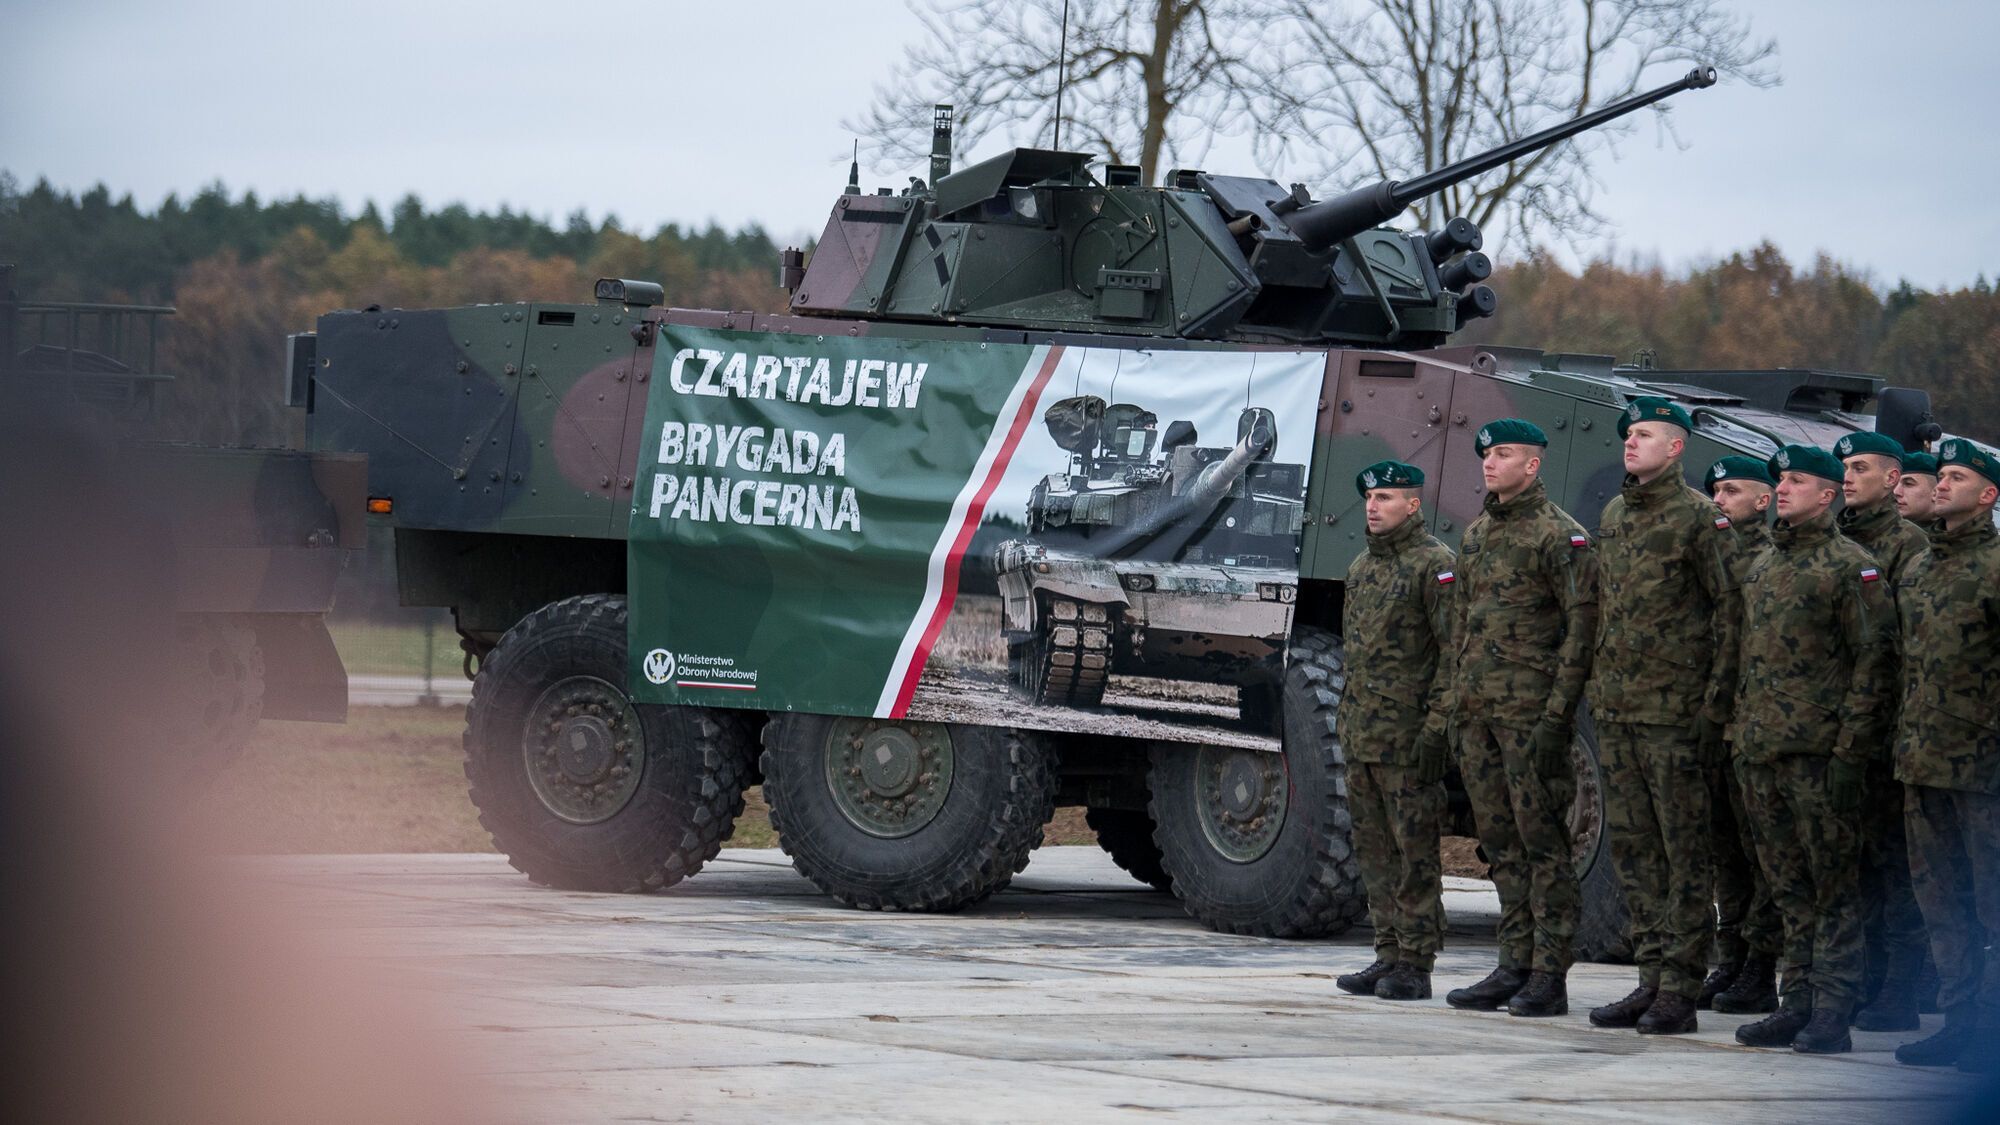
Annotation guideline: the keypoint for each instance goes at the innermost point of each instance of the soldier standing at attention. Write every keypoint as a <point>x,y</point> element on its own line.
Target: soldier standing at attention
<point>1748,931</point>
<point>1916,490</point>
<point>1892,926</point>
<point>1662,687</point>
<point>1818,649</point>
<point>1948,755</point>
<point>1525,619</point>
<point>1392,724</point>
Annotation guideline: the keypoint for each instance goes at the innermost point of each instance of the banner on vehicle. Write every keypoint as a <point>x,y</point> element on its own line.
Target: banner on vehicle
<point>1021,535</point>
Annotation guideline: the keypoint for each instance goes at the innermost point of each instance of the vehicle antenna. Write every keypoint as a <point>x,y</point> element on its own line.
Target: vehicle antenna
<point>1062,71</point>
<point>854,171</point>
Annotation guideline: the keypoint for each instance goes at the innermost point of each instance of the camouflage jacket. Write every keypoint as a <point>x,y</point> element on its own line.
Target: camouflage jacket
<point>1752,540</point>
<point>1525,614</point>
<point>1667,616</point>
<point>1395,620</point>
<point>1818,649</point>
<point>1892,540</point>
<point>1950,601</point>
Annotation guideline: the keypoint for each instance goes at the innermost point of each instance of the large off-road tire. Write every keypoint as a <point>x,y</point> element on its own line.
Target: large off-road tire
<point>582,788</point>
<point>1128,835</point>
<point>1261,843</point>
<point>215,695</point>
<point>889,815</point>
<point>1604,922</point>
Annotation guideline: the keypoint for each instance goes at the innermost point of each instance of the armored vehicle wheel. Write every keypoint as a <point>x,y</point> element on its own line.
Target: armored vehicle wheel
<point>1068,660</point>
<point>889,815</point>
<point>579,786</point>
<point>1128,835</point>
<point>216,694</point>
<point>1604,922</point>
<point>1260,843</point>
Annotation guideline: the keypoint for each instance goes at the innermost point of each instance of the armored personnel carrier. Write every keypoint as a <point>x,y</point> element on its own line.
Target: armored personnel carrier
<point>249,541</point>
<point>694,550</point>
<point>1152,555</point>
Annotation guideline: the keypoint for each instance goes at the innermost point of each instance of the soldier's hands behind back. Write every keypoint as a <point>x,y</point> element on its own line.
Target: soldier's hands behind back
<point>1844,783</point>
<point>1709,742</point>
<point>1548,746</point>
<point>1431,745</point>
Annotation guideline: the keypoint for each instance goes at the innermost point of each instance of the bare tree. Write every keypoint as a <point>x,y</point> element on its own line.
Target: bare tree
<point>1388,89</point>
<point>1146,79</point>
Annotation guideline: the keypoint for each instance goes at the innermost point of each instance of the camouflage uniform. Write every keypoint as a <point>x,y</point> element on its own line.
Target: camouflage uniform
<point>1746,922</point>
<point>1818,645</point>
<point>1394,624</point>
<point>1521,636</point>
<point>1892,923</point>
<point>1948,754</point>
<point>1666,651</point>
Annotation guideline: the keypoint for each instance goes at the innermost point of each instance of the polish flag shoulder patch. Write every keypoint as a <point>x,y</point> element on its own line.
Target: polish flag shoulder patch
<point>1870,574</point>
<point>1579,540</point>
<point>1446,578</point>
<point>1722,523</point>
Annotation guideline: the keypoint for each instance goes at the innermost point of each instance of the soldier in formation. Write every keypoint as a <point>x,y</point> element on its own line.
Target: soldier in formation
<point>1392,726</point>
<point>1662,686</point>
<point>1892,925</point>
<point>1818,642</point>
<point>1747,927</point>
<point>1521,640</point>
<point>1916,489</point>
<point>1947,754</point>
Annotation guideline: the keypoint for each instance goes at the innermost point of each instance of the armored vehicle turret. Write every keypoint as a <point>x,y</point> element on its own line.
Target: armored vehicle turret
<point>1030,239</point>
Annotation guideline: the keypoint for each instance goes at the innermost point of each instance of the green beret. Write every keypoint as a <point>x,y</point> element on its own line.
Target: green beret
<point>1653,408</point>
<point>1388,474</point>
<point>1738,467</point>
<point>1958,451</point>
<point>1868,441</point>
<point>1920,463</point>
<point>1509,431</point>
<point>1810,459</point>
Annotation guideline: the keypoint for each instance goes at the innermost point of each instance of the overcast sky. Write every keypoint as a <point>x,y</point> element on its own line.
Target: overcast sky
<point>1878,148</point>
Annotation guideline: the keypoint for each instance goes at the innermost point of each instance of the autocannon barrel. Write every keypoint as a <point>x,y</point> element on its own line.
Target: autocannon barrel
<point>1331,221</point>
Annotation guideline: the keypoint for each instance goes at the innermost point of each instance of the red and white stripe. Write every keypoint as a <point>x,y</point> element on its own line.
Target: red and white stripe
<point>941,576</point>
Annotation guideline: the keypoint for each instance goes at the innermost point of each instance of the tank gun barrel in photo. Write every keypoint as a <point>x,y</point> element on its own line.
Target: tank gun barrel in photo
<point>1330,222</point>
<point>1260,429</point>
<point>1032,239</point>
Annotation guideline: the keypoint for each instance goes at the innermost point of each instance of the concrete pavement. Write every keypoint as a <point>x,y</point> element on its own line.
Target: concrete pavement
<point>1077,994</point>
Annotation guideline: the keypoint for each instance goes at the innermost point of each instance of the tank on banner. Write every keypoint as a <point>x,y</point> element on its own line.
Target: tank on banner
<point>1040,493</point>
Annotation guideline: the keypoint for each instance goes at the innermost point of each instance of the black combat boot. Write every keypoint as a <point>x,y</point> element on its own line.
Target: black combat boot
<point>1545,994</point>
<point>1672,1013</point>
<point>1775,1030</point>
<point>1824,1034</point>
<point>1363,983</point>
<point>1404,982</point>
<point>1719,978</point>
<point>1944,1047</point>
<point>1754,990</point>
<point>1981,1053</point>
<point>1499,987</point>
<point>1893,1009</point>
<point>1626,1012</point>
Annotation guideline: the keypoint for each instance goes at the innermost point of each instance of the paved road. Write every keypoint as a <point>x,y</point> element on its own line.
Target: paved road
<point>404,691</point>
<point>745,995</point>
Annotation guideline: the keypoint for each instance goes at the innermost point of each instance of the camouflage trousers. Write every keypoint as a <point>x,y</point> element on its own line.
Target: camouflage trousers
<point>1892,925</point>
<point>1656,810</point>
<point>1523,821</point>
<point>1811,859</point>
<point>1746,922</point>
<point>1955,864</point>
<point>1397,825</point>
